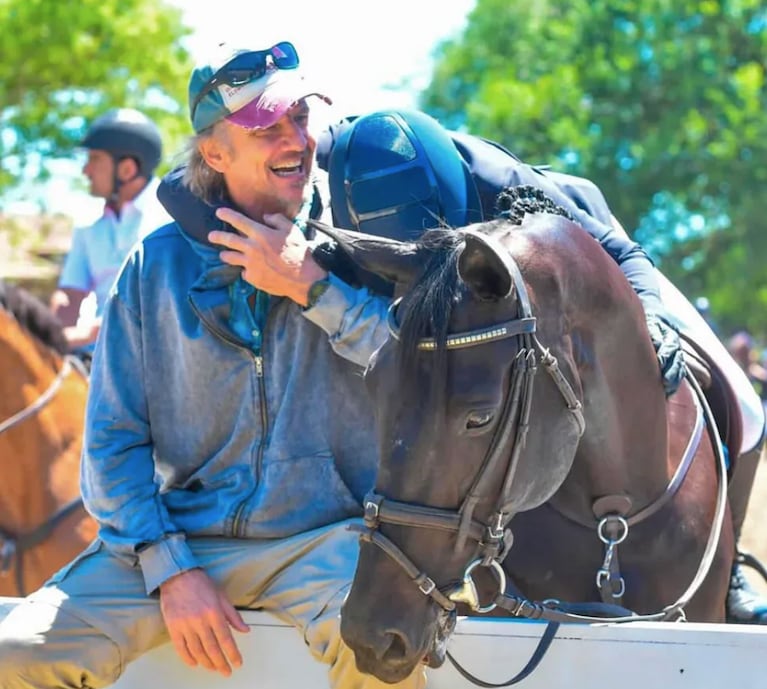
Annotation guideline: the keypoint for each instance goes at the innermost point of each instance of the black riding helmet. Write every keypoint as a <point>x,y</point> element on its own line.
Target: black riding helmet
<point>127,133</point>
<point>395,173</point>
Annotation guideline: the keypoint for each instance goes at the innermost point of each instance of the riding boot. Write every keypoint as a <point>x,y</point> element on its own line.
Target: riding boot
<point>744,604</point>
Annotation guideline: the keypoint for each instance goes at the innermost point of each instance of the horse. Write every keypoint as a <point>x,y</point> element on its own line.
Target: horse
<point>529,460</point>
<point>43,391</point>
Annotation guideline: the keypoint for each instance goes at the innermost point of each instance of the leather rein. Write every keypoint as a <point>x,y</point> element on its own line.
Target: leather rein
<point>15,545</point>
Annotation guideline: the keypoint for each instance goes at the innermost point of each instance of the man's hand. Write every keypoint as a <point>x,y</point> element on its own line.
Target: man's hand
<point>198,617</point>
<point>82,334</point>
<point>275,258</point>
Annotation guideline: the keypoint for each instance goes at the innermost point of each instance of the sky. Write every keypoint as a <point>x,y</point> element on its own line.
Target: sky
<point>363,54</point>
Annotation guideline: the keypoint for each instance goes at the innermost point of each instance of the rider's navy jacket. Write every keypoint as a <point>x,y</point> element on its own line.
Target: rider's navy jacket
<point>493,168</point>
<point>190,433</point>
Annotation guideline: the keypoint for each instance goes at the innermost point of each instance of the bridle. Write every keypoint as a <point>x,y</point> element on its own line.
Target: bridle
<point>15,545</point>
<point>508,442</point>
<point>494,537</point>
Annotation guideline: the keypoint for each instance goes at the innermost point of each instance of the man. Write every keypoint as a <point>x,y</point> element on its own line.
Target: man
<point>124,148</point>
<point>228,440</point>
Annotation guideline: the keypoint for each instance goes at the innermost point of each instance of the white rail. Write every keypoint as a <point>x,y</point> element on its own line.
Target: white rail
<point>635,656</point>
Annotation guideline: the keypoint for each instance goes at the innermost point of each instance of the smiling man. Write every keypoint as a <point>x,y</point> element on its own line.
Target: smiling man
<point>228,440</point>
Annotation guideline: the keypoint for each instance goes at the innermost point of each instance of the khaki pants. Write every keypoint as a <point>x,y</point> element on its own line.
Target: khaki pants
<point>93,617</point>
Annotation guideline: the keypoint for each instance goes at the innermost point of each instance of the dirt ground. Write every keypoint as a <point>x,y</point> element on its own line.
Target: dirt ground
<point>754,537</point>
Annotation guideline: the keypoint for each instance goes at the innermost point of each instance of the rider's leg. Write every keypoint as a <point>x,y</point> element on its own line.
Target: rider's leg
<point>741,483</point>
<point>744,604</point>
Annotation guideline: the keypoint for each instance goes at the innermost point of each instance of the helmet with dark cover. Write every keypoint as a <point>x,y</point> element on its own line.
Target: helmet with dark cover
<point>395,173</point>
<point>126,133</point>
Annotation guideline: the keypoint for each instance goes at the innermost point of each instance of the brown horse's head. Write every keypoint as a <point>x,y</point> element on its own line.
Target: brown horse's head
<point>469,434</point>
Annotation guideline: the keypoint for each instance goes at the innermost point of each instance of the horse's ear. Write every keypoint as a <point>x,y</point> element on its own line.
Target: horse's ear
<point>483,266</point>
<point>397,262</point>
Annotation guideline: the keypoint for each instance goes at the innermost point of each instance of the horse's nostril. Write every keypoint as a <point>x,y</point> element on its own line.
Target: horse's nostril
<point>397,649</point>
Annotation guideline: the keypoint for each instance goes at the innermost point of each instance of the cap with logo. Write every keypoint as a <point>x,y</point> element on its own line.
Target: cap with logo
<point>251,88</point>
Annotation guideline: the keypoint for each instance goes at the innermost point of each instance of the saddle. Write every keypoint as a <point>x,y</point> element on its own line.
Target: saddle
<point>720,395</point>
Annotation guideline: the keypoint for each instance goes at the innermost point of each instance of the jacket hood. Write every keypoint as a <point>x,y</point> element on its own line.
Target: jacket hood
<point>195,216</point>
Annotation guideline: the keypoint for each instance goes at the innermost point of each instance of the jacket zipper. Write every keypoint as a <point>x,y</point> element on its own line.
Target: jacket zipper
<point>259,364</point>
<point>238,525</point>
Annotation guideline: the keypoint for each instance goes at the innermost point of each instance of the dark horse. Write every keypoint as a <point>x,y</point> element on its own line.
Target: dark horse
<point>576,462</point>
<point>42,406</point>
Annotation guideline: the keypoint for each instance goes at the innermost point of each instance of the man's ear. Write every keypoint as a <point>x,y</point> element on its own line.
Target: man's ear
<point>215,153</point>
<point>127,169</point>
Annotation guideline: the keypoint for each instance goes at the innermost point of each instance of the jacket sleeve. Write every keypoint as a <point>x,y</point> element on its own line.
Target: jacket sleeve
<point>628,254</point>
<point>117,468</point>
<point>75,273</point>
<point>354,319</point>
<point>633,260</point>
<point>494,168</point>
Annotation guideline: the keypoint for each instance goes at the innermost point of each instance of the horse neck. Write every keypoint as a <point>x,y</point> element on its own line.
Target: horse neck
<point>30,448</point>
<point>625,442</point>
<point>607,349</point>
<point>27,365</point>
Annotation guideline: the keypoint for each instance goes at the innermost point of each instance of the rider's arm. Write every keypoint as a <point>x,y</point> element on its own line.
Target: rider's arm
<point>633,261</point>
<point>117,470</point>
<point>353,318</point>
<point>75,281</point>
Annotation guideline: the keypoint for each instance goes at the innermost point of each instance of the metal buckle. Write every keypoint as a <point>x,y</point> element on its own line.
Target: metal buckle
<point>427,586</point>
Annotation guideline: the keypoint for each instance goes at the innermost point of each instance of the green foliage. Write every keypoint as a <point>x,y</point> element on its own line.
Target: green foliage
<point>660,102</point>
<point>66,62</point>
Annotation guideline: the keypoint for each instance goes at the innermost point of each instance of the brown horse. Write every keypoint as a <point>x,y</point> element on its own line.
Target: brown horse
<point>42,406</point>
<point>524,436</point>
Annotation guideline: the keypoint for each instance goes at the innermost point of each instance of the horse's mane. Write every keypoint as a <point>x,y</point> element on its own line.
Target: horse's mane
<point>33,316</point>
<point>433,295</point>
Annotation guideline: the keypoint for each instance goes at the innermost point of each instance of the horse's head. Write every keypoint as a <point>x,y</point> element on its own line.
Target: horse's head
<point>455,390</point>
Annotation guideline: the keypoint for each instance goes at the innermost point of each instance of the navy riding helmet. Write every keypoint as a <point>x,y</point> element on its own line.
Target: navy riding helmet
<point>395,173</point>
<point>127,133</point>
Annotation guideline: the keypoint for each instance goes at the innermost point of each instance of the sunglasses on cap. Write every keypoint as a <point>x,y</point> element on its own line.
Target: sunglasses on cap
<point>247,67</point>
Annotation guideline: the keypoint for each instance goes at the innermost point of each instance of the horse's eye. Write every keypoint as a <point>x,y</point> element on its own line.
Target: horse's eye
<point>478,419</point>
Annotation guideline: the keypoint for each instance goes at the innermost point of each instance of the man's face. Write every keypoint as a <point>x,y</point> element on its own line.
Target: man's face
<point>267,170</point>
<point>99,169</point>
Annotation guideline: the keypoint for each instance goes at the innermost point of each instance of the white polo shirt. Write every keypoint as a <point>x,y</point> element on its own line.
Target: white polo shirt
<point>98,250</point>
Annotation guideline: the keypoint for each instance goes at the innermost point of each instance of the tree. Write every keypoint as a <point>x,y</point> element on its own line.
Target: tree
<point>660,102</point>
<point>64,63</point>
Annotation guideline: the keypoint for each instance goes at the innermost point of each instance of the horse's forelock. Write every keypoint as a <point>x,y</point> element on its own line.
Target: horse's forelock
<point>427,311</point>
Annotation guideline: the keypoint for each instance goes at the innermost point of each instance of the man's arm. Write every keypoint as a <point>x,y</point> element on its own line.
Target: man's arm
<point>277,259</point>
<point>75,283</point>
<point>117,467</point>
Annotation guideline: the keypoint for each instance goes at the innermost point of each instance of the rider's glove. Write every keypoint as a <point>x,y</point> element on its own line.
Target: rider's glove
<point>668,349</point>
